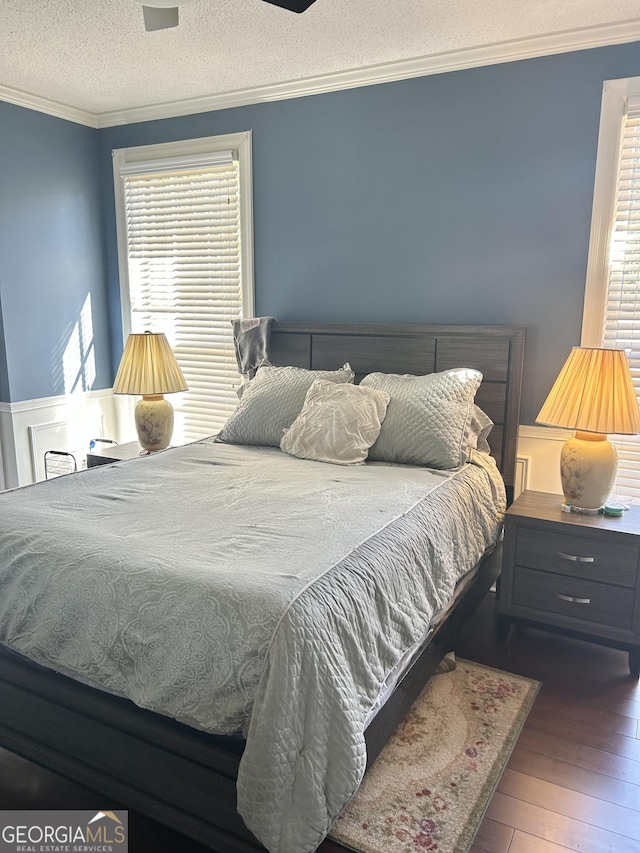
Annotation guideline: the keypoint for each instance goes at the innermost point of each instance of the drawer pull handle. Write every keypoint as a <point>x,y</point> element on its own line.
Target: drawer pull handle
<point>574,558</point>
<point>572,599</point>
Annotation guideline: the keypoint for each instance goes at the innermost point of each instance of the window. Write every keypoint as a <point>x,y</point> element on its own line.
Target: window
<point>184,223</point>
<point>612,300</point>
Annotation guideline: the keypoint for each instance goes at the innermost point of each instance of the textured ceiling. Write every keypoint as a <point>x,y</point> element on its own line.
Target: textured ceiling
<point>95,56</point>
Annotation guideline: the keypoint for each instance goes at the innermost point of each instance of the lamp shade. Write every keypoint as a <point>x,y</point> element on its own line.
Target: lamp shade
<point>593,393</point>
<point>148,367</point>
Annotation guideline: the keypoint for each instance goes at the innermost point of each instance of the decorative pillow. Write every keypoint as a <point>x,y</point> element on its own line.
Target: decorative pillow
<point>272,401</point>
<point>338,423</point>
<point>428,417</point>
<point>480,425</point>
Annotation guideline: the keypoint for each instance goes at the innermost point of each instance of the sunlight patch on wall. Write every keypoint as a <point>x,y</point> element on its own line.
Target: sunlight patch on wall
<point>78,358</point>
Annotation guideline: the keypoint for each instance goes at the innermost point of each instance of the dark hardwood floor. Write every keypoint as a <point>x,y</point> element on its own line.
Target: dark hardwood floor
<point>572,784</point>
<point>573,780</point>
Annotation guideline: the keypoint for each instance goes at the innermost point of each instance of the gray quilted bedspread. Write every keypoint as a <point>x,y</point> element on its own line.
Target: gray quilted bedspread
<point>240,589</point>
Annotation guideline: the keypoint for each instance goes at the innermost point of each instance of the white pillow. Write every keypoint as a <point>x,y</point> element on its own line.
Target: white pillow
<point>428,418</point>
<point>338,423</point>
<point>272,401</point>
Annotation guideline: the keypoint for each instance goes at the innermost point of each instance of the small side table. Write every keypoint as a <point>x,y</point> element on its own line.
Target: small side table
<point>572,573</point>
<point>113,453</point>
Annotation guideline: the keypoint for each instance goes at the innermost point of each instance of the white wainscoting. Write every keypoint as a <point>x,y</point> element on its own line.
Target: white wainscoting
<point>522,475</point>
<point>30,427</point>
<point>539,450</point>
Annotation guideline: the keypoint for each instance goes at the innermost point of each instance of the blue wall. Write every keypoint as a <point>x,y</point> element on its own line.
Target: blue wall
<point>52,280</point>
<point>461,197</point>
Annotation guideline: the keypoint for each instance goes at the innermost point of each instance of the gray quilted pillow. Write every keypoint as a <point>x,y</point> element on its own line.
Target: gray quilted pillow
<point>272,401</point>
<point>427,417</point>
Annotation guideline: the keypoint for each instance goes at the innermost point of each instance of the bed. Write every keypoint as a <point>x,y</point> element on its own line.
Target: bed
<point>168,761</point>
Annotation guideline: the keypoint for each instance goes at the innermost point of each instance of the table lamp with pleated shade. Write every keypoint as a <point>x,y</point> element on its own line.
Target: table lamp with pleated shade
<point>149,368</point>
<point>593,395</point>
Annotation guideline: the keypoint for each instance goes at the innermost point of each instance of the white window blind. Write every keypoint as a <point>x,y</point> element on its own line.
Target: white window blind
<point>622,313</point>
<point>184,267</point>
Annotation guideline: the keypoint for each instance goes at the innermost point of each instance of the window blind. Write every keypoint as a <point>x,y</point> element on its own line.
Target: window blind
<point>622,315</point>
<point>183,233</point>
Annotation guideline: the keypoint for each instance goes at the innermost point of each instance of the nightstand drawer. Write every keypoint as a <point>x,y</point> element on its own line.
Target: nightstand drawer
<point>579,599</point>
<point>572,573</point>
<point>577,556</point>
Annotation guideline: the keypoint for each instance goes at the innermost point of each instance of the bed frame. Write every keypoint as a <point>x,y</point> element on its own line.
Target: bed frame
<point>185,778</point>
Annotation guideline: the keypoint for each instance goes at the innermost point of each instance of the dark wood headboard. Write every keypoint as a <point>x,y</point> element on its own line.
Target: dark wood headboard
<point>496,351</point>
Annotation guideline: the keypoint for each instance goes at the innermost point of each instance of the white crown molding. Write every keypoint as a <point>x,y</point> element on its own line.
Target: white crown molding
<point>583,38</point>
<point>45,105</point>
<point>439,63</point>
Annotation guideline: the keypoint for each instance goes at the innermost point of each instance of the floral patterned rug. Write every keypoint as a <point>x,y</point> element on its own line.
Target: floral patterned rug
<point>431,784</point>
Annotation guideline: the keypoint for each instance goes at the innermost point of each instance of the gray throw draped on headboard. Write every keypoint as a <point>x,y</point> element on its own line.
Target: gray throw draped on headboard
<point>251,341</point>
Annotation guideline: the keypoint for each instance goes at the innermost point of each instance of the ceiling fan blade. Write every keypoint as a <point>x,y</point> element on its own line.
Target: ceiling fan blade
<point>292,5</point>
<point>159,19</point>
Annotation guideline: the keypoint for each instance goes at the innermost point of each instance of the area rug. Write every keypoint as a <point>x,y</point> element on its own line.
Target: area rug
<point>431,785</point>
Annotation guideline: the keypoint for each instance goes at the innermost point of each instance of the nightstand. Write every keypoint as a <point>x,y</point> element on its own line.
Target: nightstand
<point>113,453</point>
<point>572,573</point>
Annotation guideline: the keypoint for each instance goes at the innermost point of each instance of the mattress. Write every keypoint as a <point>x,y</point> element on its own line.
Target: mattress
<point>240,589</point>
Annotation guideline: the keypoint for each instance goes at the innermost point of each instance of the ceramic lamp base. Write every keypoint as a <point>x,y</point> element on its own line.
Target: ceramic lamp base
<point>154,422</point>
<point>588,466</point>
